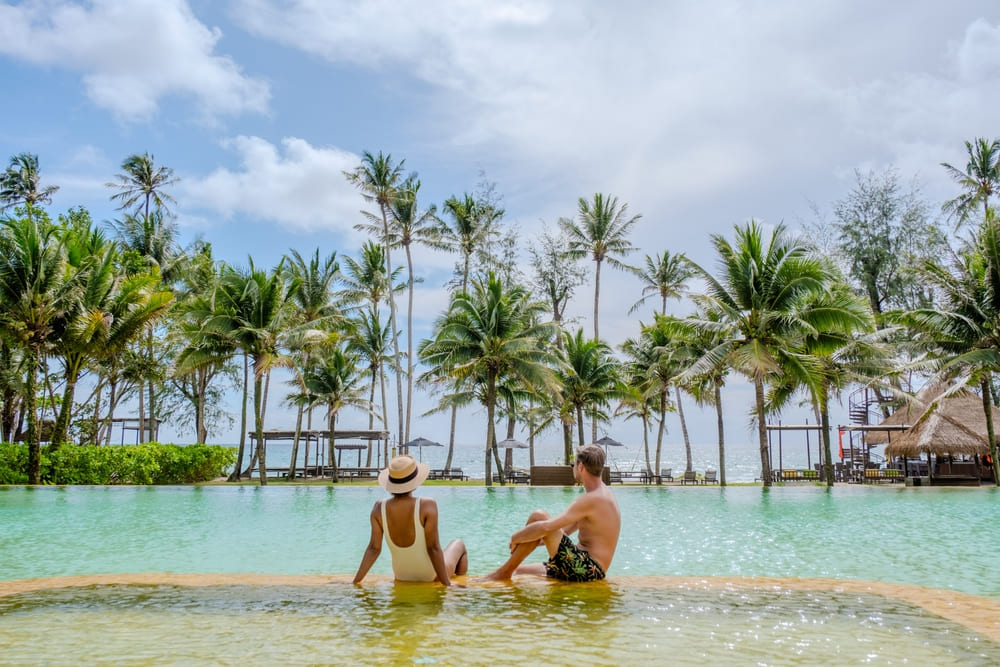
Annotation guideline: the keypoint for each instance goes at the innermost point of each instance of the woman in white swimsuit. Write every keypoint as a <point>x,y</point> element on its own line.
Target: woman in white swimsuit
<point>410,525</point>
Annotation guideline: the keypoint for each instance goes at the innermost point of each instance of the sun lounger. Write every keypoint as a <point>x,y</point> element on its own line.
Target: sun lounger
<point>667,474</point>
<point>710,477</point>
<point>690,477</point>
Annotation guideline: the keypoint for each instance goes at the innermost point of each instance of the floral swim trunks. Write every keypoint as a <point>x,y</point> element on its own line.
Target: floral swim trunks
<point>571,563</point>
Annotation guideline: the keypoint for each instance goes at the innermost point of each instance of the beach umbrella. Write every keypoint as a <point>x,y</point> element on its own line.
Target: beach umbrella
<point>420,443</point>
<point>510,444</point>
<point>608,441</point>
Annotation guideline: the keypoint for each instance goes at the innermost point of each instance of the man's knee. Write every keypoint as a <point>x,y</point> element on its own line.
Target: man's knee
<point>538,515</point>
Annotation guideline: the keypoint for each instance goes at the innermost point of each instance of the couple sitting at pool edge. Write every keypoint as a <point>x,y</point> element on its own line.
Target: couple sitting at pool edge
<point>410,527</point>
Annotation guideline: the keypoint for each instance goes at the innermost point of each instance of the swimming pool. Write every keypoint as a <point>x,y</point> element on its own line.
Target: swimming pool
<point>676,587</point>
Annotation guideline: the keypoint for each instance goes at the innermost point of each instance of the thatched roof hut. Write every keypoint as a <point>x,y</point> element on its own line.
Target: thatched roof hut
<point>940,433</point>
<point>958,403</point>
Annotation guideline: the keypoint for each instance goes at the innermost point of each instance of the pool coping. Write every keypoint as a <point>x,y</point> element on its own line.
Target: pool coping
<point>979,614</point>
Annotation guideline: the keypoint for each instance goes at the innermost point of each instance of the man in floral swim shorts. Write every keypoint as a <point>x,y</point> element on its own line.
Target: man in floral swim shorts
<point>594,516</point>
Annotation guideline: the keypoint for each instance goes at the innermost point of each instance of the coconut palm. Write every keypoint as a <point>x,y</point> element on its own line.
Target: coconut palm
<point>141,187</point>
<point>253,308</point>
<point>409,225</point>
<point>110,311</point>
<point>468,232</point>
<point>964,329</point>
<point>487,334</point>
<point>333,381</point>
<point>979,181</point>
<point>664,276</point>
<point>759,291</point>
<point>150,242</point>
<point>37,289</point>
<point>369,340</point>
<point>19,184</point>
<point>379,179</point>
<point>317,318</point>
<point>601,232</point>
<point>843,348</point>
<point>590,378</point>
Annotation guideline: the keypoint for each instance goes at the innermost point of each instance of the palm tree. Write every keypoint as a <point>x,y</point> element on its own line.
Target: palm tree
<point>979,181</point>
<point>253,308</point>
<point>965,328</point>
<point>759,291</point>
<point>142,184</point>
<point>152,239</point>
<point>19,184</point>
<point>333,382</point>
<point>379,179</point>
<point>369,341</point>
<point>843,348</point>
<point>665,276</point>
<point>636,403</point>
<point>488,334</point>
<point>37,290</point>
<point>590,378</point>
<point>469,231</point>
<point>110,311</point>
<point>317,317</point>
<point>602,232</point>
<point>410,225</point>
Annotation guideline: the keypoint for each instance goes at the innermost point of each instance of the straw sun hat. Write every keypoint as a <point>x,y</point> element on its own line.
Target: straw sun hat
<point>403,475</point>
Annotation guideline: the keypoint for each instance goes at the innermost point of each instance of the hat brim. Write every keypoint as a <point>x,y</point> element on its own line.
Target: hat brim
<point>423,470</point>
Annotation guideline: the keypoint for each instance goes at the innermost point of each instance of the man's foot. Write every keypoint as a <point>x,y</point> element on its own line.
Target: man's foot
<point>496,575</point>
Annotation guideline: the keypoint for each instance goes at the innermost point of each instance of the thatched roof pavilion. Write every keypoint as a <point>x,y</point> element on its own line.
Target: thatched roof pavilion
<point>960,417</point>
<point>942,434</point>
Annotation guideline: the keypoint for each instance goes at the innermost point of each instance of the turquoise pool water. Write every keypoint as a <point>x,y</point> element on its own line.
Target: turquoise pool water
<point>940,538</point>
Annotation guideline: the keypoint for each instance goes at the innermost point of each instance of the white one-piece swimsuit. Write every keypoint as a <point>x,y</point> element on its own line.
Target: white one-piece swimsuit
<point>410,563</point>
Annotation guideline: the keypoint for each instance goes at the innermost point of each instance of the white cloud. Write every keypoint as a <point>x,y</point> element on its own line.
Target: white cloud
<point>297,185</point>
<point>132,54</point>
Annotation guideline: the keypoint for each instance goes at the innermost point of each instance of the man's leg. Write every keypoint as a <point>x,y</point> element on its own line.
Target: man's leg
<point>523,550</point>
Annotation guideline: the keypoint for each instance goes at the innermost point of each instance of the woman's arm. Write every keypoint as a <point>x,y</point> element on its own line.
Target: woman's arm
<point>429,517</point>
<point>374,544</point>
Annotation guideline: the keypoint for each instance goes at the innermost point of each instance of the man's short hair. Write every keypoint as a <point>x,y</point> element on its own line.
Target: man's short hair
<point>592,458</point>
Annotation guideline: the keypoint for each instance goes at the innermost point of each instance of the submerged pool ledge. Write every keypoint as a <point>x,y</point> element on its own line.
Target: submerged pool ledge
<point>981,615</point>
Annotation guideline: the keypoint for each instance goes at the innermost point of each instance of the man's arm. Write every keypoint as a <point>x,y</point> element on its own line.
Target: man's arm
<point>429,516</point>
<point>374,544</point>
<point>567,522</point>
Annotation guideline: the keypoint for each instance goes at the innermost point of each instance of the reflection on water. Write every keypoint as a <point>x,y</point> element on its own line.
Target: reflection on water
<point>418,624</point>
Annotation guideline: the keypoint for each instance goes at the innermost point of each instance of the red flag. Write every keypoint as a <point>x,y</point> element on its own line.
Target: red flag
<point>840,440</point>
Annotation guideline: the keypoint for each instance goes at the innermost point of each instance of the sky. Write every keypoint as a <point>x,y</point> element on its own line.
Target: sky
<point>700,116</point>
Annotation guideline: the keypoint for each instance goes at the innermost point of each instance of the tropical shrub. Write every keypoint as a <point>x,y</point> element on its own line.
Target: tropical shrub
<point>148,463</point>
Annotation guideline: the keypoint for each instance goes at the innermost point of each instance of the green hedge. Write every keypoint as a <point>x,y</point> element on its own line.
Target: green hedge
<point>148,463</point>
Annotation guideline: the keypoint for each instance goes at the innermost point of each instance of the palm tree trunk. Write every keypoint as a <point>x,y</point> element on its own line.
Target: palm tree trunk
<point>579,424</point>
<point>491,402</point>
<point>722,436</point>
<point>31,407</point>
<point>451,437</point>
<point>235,476</point>
<point>142,411</point>
<point>66,408</point>
<point>258,381</point>
<point>645,447</point>
<point>684,428</point>
<point>334,472</point>
<point>200,423</point>
<point>661,427</point>
<point>597,336</point>
<point>765,455</point>
<point>409,346</point>
<point>112,404</point>
<point>295,444</point>
<point>371,415</point>
<point>392,324</point>
<point>825,434</point>
<point>990,433</point>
